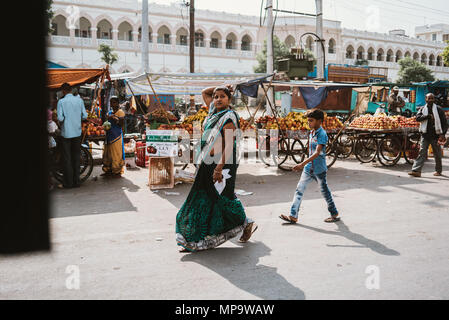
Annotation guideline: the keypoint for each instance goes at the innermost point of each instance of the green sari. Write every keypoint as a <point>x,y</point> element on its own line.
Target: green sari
<point>207,219</point>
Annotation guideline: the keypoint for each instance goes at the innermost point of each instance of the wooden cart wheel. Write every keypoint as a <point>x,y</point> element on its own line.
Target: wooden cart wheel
<point>345,146</point>
<point>412,148</point>
<point>298,151</point>
<point>390,151</point>
<point>282,154</point>
<point>365,149</point>
<point>331,157</point>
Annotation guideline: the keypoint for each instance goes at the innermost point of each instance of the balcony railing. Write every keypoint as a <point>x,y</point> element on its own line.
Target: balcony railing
<point>108,42</point>
<point>60,40</point>
<point>158,47</point>
<point>85,42</point>
<point>125,44</point>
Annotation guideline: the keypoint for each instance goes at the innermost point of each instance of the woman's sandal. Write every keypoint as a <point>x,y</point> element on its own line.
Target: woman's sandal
<point>332,219</point>
<point>288,219</point>
<point>248,232</point>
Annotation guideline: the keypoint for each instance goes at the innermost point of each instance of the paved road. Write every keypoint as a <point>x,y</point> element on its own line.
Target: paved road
<point>120,236</point>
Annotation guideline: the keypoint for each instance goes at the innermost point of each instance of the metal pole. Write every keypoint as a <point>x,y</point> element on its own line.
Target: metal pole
<point>192,45</point>
<point>270,50</point>
<point>145,36</point>
<point>319,32</point>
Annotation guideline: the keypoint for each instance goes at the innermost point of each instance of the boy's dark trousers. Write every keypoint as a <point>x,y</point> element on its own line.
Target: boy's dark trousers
<point>71,152</point>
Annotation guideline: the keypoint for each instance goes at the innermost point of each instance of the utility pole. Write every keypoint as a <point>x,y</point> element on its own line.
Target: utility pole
<point>192,46</point>
<point>319,31</point>
<point>144,36</point>
<point>270,50</point>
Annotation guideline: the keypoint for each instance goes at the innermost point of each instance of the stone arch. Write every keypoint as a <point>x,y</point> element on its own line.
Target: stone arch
<point>89,18</point>
<point>380,53</point>
<point>371,53</point>
<point>182,36</point>
<point>399,55</point>
<point>161,24</point>
<point>125,67</point>
<point>215,30</point>
<point>59,24</point>
<point>439,61</point>
<point>125,31</point>
<point>162,32</point>
<point>290,41</point>
<point>200,36</point>
<point>231,39</point>
<point>133,24</point>
<point>407,54</point>
<point>309,43</point>
<point>332,44</point>
<point>215,39</point>
<point>247,42</point>
<point>106,27</point>
<point>389,55</point>
<point>349,52</point>
<point>103,17</point>
<point>416,56</point>
<point>83,66</point>
<point>360,52</point>
<point>150,32</point>
<point>432,59</point>
<point>423,58</point>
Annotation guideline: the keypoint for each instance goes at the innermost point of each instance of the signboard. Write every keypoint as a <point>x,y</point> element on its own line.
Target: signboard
<point>161,143</point>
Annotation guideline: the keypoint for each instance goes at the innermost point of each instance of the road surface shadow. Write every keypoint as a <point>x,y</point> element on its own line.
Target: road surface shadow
<point>282,187</point>
<point>344,231</point>
<point>95,196</point>
<point>240,266</point>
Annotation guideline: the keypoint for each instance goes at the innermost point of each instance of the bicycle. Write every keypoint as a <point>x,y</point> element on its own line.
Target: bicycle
<point>56,162</point>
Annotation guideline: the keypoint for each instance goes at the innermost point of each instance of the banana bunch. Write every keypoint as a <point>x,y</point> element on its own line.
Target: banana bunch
<point>199,116</point>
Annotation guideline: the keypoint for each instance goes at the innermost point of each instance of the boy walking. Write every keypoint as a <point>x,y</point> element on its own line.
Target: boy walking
<point>314,169</point>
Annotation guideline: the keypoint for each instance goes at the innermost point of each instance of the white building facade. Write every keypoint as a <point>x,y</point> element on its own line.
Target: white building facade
<point>224,43</point>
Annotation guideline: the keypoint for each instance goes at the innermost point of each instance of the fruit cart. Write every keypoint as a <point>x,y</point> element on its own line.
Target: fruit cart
<point>385,138</point>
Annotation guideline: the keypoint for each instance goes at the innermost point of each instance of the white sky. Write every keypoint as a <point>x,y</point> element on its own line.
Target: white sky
<point>370,15</point>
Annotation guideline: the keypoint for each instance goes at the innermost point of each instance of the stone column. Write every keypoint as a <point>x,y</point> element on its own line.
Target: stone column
<point>114,38</point>
<point>173,41</point>
<point>238,45</point>
<point>135,34</point>
<point>154,37</point>
<point>72,35</point>
<point>93,31</point>
<point>223,45</point>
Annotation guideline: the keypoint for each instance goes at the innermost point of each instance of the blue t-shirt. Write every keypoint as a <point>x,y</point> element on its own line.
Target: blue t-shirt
<point>71,112</point>
<point>319,164</point>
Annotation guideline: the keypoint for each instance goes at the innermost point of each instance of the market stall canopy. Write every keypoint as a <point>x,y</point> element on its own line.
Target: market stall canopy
<point>313,92</point>
<point>185,83</point>
<point>434,84</point>
<point>124,76</point>
<point>74,77</point>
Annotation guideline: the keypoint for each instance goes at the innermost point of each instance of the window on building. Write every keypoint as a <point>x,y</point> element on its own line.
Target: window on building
<point>229,44</point>
<point>434,37</point>
<point>214,43</point>
<point>54,26</point>
<point>105,35</point>
<point>183,40</point>
<point>445,37</point>
<point>166,38</point>
<point>199,39</point>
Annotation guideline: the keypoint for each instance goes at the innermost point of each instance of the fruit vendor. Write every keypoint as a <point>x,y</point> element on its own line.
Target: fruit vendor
<point>114,153</point>
<point>433,129</point>
<point>395,102</point>
<point>71,112</point>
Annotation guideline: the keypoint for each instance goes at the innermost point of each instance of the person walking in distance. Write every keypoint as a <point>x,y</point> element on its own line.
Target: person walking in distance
<point>71,112</point>
<point>433,129</point>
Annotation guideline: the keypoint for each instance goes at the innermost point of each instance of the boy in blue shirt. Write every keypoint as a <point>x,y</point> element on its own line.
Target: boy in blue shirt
<point>314,169</point>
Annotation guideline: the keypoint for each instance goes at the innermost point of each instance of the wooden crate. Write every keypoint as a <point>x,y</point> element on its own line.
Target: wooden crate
<point>161,173</point>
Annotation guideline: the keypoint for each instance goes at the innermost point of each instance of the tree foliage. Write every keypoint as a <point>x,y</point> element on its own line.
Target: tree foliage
<point>49,13</point>
<point>280,50</point>
<point>413,71</point>
<point>108,56</point>
<point>445,54</point>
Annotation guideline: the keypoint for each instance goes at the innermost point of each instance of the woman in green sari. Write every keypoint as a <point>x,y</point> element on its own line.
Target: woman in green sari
<point>208,217</point>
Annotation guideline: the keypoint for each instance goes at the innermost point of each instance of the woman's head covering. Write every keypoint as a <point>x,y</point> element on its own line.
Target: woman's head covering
<point>49,115</point>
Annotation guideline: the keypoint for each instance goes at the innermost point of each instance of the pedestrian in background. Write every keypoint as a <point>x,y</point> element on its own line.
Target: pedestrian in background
<point>71,112</point>
<point>433,129</point>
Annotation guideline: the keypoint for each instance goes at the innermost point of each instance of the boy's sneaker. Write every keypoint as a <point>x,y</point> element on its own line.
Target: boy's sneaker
<point>415,174</point>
